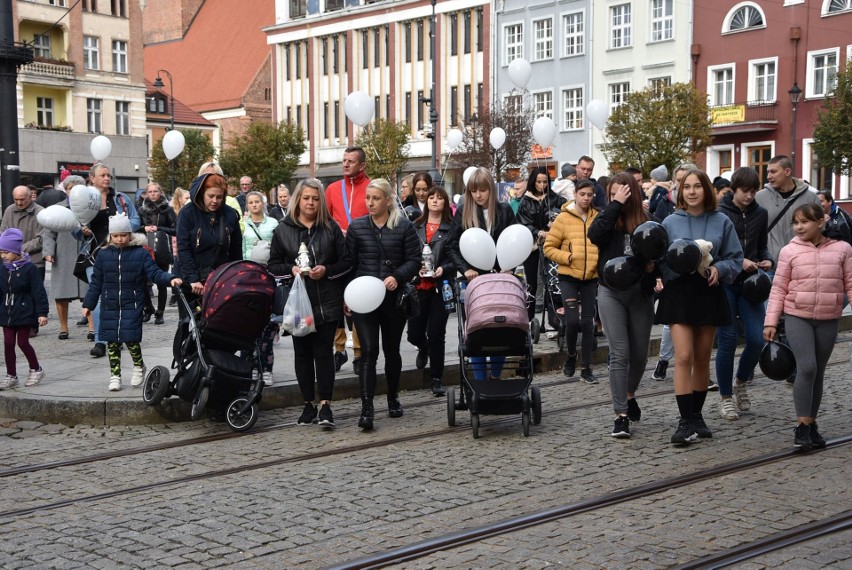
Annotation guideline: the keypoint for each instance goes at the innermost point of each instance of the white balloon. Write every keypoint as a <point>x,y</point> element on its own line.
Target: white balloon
<point>57,218</point>
<point>454,138</point>
<point>468,172</point>
<point>100,147</point>
<point>359,108</point>
<point>478,248</point>
<point>497,138</point>
<point>598,113</point>
<point>514,246</point>
<point>457,199</point>
<point>173,143</point>
<point>520,72</point>
<point>364,294</point>
<point>85,203</point>
<point>544,129</point>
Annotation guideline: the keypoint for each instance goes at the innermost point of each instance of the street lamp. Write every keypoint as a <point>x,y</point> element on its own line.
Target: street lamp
<point>158,83</point>
<point>795,93</point>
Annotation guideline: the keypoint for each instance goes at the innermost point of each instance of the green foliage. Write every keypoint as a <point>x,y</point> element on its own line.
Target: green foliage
<point>386,145</point>
<point>266,152</point>
<point>667,126</point>
<point>197,151</point>
<point>833,132</point>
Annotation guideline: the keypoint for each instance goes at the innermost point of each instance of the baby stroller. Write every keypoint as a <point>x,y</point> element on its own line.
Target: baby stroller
<point>552,312</point>
<point>492,321</point>
<point>235,308</point>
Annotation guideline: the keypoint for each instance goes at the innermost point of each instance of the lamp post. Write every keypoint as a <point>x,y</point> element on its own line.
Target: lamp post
<point>795,93</point>
<point>431,100</point>
<point>158,83</point>
<point>474,126</point>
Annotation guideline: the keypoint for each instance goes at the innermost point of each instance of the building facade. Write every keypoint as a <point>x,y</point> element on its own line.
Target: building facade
<point>86,80</point>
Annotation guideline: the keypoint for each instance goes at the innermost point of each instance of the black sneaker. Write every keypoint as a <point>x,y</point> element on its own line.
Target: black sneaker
<point>394,408</point>
<point>817,441</point>
<point>356,366</point>
<point>684,433</point>
<point>587,376</point>
<point>309,415</point>
<point>158,318</point>
<point>324,418</point>
<point>422,358</point>
<point>700,427</point>
<point>437,388</point>
<point>570,366</point>
<point>712,386</point>
<point>802,437</point>
<point>633,411</point>
<point>621,430</point>
<point>660,370</point>
<point>340,359</point>
<point>99,350</point>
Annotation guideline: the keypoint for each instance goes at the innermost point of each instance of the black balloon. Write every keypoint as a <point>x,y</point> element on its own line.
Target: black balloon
<point>412,212</point>
<point>649,241</point>
<point>621,273</point>
<point>756,288</point>
<point>683,256</point>
<point>777,361</point>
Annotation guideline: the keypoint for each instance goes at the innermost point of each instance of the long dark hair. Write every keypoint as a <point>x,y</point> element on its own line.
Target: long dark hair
<point>531,187</point>
<point>446,214</point>
<point>633,211</point>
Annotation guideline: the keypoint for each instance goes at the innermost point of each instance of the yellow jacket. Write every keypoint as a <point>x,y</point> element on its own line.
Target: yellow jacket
<point>568,244</point>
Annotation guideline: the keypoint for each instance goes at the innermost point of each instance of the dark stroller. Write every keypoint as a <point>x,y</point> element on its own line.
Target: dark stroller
<point>235,308</point>
<point>492,321</point>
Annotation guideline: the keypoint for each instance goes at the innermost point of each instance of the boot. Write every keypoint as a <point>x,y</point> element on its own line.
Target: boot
<point>394,406</point>
<point>365,422</point>
<point>437,388</point>
<point>158,318</point>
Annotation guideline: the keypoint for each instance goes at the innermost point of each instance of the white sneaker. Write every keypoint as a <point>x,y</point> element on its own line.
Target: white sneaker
<point>267,378</point>
<point>727,409</point>
<point>138,375</point>
<point>349,342</point>
<point>741,396</point>
<point>8,382</point>
<point>114,383</point>
<point>34,377</point>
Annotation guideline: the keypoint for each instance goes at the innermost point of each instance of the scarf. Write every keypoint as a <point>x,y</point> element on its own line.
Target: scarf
<point>148,209</point>
<point>18,263</point>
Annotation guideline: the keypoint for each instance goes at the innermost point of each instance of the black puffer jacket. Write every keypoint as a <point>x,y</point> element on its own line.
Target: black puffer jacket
<point>537,214</point>
<point>401,248</point>
<point>438,245</point>
<point>614,243</point>
<point>505,218</point>
<point>751,229</point>
<point>327,247</point>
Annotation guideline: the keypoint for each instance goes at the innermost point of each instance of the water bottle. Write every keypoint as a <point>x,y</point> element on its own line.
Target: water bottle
<point>447,295</point>
<point>462,290</point>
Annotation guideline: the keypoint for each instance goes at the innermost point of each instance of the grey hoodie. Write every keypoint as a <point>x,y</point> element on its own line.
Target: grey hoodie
<point>769,198</point>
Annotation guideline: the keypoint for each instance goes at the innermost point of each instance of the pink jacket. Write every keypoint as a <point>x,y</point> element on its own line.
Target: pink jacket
<point>810,281</point>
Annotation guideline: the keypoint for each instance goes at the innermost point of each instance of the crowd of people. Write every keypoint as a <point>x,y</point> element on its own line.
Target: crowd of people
<point>360,227</point>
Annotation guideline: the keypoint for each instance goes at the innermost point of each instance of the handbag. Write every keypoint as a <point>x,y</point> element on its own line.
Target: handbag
<point>85,260</point>
<point>407,301</point>
<point>161,244</point>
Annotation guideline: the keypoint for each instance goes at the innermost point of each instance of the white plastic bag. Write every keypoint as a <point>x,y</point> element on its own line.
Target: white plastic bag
<point>298,318</point>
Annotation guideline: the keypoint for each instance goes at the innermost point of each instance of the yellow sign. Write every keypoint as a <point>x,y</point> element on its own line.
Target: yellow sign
<point>726,115</point>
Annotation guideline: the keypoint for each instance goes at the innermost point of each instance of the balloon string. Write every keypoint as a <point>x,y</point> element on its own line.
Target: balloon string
<point>445,163</point>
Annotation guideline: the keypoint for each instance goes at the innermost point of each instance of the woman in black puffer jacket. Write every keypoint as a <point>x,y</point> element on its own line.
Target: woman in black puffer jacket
<point>382,244</point>
<point>309,222</point>
<point>158,219</point>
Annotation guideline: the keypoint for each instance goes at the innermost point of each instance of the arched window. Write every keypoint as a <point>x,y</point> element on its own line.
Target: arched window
<point>836,6</point>
<point>742,17</point>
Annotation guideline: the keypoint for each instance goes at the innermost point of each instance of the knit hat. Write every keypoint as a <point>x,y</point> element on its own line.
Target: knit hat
<point>660,174</point>
<point>119,224</point>
<point>12,240</point>
<point>568,170</point>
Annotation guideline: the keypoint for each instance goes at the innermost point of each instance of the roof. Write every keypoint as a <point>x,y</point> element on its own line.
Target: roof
<point>220,55</point>
<point>183,114</point>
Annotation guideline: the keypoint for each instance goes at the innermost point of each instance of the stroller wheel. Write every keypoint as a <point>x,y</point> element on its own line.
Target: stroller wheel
<point>200,403</point>
<point>535,330</point>
<point>156,385</point>
<point>535,397</point>
<point>241,421</point>
<point>525,419</point>
<point>451,406</point>
<point>474,423</point>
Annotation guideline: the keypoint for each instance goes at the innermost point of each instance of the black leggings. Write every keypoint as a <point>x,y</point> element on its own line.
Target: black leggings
<point>531,275</point>
<point>162,295</point>
<point>314,359</point>
<point>387,319</point>
<point>579,299</point>
<point>429,328</point>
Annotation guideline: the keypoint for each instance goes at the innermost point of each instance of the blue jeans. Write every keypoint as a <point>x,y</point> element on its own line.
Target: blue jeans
<point>96,313</point>
<point>752,315</point>
<point>479,365</point>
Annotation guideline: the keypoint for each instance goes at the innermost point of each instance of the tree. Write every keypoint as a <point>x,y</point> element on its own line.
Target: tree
<point>833,132</point>
<point>386,145</point>
<point>266,152</point>
<point>197,151</point>
<point>655,126</point>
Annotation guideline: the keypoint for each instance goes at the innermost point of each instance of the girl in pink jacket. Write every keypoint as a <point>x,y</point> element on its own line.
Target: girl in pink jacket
<point>812,275</point>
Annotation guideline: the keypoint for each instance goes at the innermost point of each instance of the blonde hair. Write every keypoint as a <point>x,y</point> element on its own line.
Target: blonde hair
<point>177,202</point>
<point>393,211</point>
<point>323,216</point>
<point>216,168</point>
<point>481,179</point>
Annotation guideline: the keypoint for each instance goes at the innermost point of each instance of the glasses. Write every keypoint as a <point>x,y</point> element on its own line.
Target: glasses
<point>245,183</point>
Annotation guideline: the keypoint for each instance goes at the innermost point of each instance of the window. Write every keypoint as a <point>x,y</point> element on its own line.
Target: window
<point>93,115</point>
<point>454,34</point>
<point>420,40</point>
<point>420,107</point>
<point>761,81</point>
<point>657,84</point>
<point>44,111</point>
<point>122,117</point>
<point>91,52</point>
<point>574,34</point>
<point>41,46</point>
<point>467,104</point>
<point>90,5</point>
<point>407,45</point>
<point>333,5</point>
<point>325,120</point>
<point>662,20</point>
<point>337,119</point>
<point>467,33</point>
<point>543,104</point>
<point>324,55</point>
<point>543,38</point>
<point>618,93</point>
<point>513,104</point>
<point>822,72</point>
<point>377,47</point>
<point>513,40</point>
<point>119,8</point>
<point>365,49</point>
<point>60,3</point>
<point>836,6</point>
<point>743,17</point>
<point>335,57</point>
<point>454,106</point>
<point>480,30</point>
<point>297,56</point>
<point>298,8</point>
<point>621,26</point>
<point>720,80</point>
<point>572,109</point>
<point>119,56</point>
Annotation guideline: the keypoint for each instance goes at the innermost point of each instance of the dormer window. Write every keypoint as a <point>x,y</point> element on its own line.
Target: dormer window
<point>743,17</point>
<point>830,7</point>
<point>157,104</point>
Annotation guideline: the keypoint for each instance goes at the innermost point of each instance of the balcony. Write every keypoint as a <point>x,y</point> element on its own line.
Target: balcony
<point>57,73</point>
<point>744,117</point>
